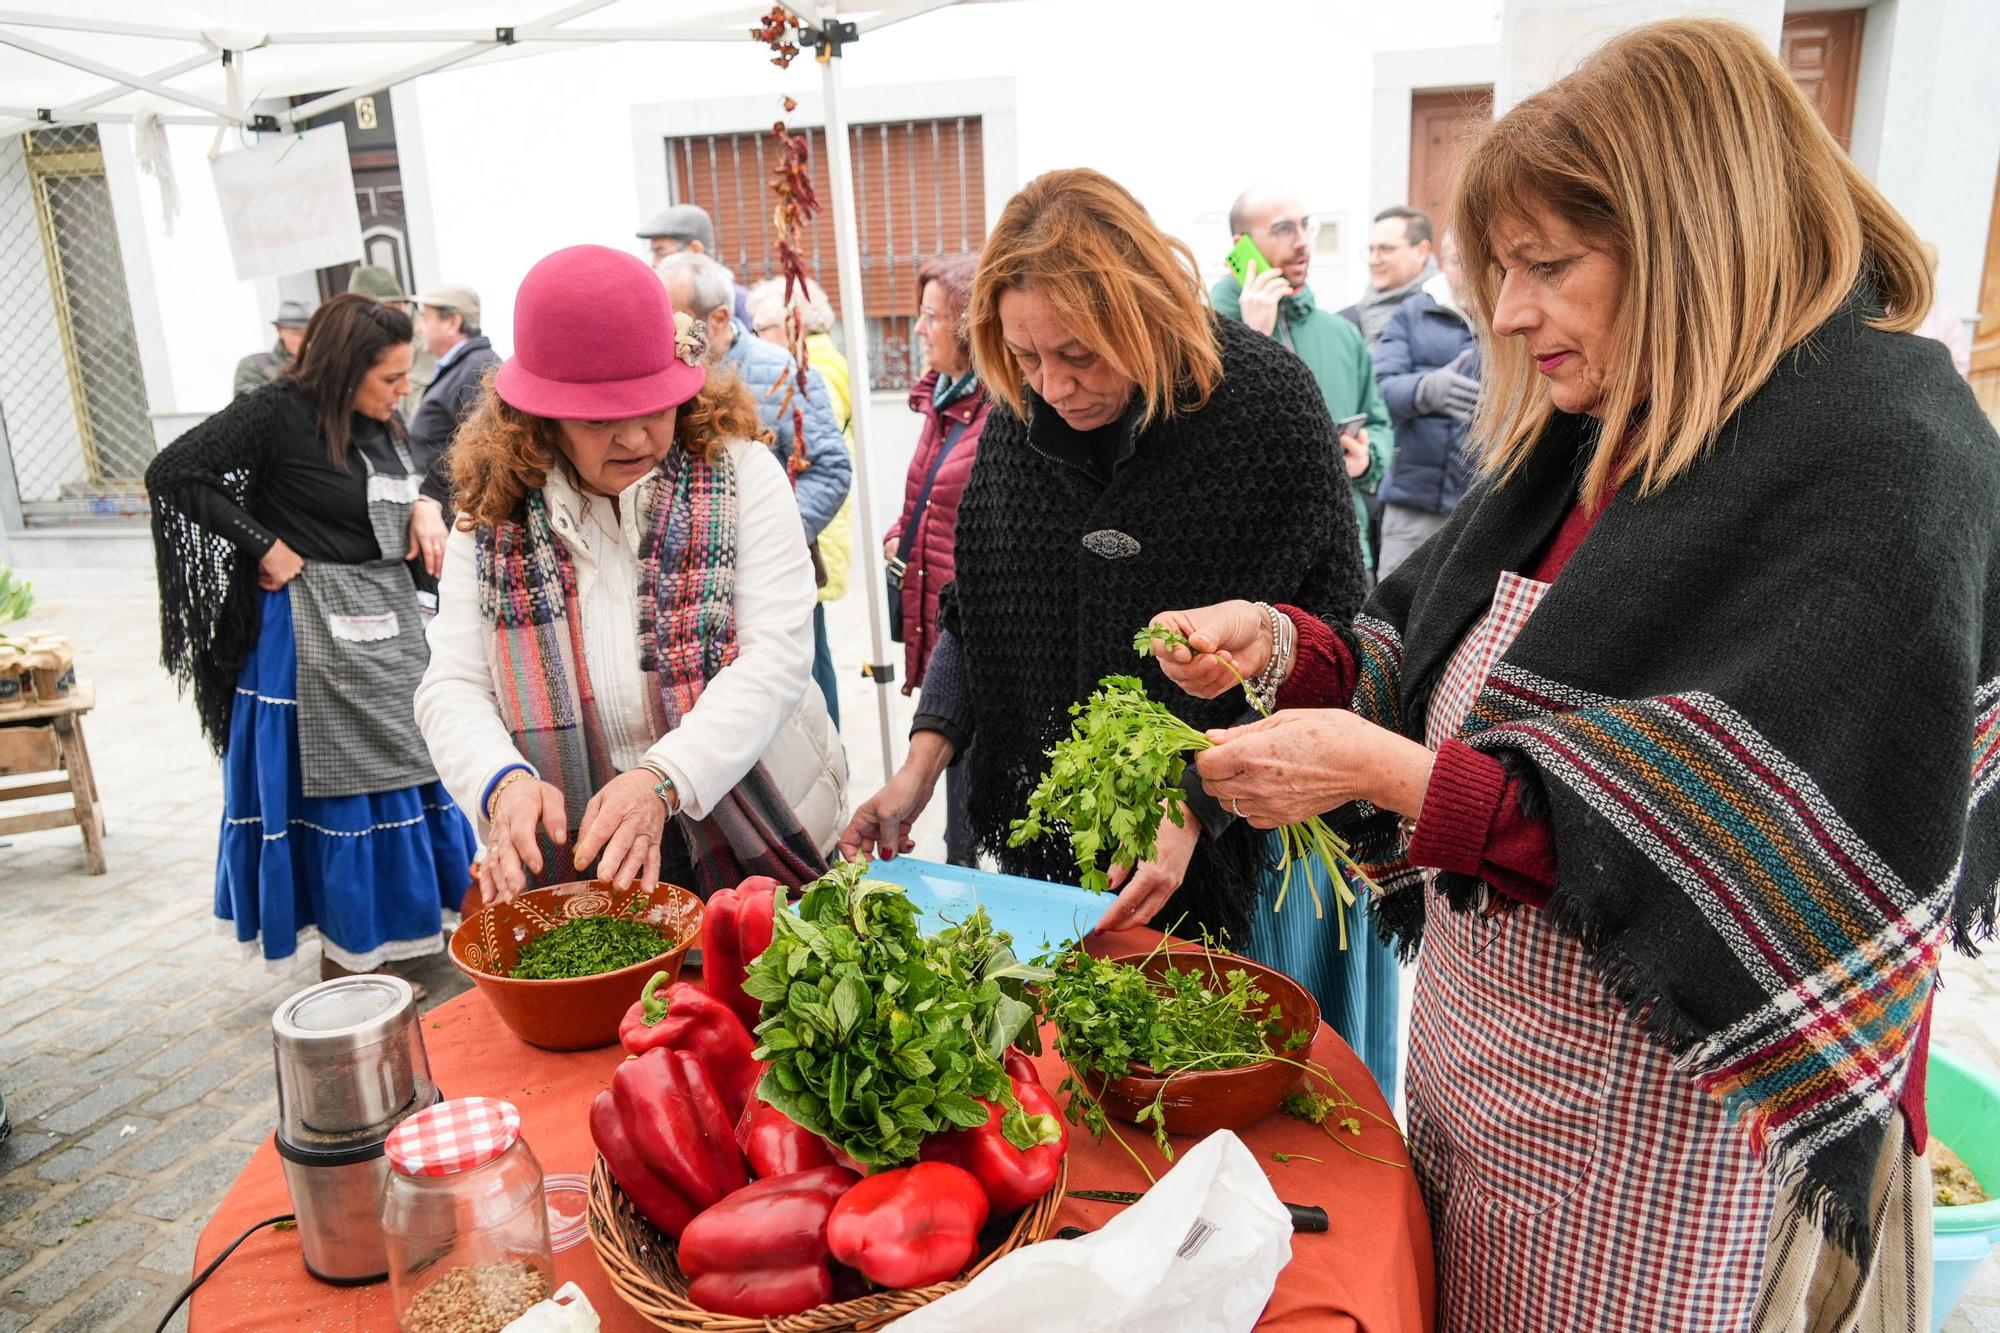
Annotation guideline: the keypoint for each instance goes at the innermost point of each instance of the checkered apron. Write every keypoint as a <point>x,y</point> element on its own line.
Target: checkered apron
<point>359,636</point>
<point>1574,1179</point>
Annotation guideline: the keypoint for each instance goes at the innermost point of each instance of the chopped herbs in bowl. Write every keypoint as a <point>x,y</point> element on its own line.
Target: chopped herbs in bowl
<point>587,946</point>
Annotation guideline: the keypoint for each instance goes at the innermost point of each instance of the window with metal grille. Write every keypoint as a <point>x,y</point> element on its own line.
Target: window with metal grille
<point>71,392</point>
<point>918,194</point>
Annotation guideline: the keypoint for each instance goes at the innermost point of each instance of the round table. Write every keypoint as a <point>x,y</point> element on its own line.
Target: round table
<point>1372,1271</point>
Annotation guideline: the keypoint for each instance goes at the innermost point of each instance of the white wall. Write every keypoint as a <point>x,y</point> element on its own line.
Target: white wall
<point>193,318</point>
<point>1927,130</point>
<point>1542,40</point>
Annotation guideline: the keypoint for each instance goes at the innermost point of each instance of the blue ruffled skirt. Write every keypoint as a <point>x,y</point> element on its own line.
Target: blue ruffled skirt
<point>1357,990</point>
<point>374,876</point>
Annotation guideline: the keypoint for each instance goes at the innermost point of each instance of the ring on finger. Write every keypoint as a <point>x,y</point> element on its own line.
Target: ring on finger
<point>1234,808</point>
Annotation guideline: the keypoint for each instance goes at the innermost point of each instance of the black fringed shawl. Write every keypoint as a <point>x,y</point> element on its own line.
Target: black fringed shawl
<point>1763,709</point>
<point>208,588</point>
<point>1246,497</point>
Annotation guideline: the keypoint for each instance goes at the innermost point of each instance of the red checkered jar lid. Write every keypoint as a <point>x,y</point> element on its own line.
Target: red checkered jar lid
<point>453,1136</point>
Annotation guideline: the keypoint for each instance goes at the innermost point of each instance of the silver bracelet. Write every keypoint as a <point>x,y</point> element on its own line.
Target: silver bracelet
<point>1264,685</point>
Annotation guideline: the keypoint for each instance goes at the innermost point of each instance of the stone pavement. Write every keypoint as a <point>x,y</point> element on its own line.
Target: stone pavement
<point>134,1041</point>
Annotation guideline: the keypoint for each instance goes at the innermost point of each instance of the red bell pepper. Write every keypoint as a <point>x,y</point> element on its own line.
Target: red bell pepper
<point>657,1200</point>
<point>762,1251</point>
<point>1012,1177</point>
<point>735,928</point>
<point>775,1144</point>
<point>687,1018</point>
<point>674,1117</point>
<point>909,1227</point>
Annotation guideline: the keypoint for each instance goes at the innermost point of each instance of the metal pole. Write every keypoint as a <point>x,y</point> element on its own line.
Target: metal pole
<point>847,250</point>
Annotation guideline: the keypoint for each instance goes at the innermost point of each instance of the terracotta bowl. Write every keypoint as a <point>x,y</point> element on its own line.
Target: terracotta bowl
<point>1202,1102</point>
<point>577,1013</point>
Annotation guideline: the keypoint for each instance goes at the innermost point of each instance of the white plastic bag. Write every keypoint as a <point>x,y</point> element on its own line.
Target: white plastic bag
<point>1199,1254</point>
<point>567,1311</point>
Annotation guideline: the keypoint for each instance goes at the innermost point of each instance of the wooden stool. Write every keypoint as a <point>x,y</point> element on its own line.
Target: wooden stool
<point>46,740</point>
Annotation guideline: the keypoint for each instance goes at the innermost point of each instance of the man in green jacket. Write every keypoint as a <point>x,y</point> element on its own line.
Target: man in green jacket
<point>1280,304</point>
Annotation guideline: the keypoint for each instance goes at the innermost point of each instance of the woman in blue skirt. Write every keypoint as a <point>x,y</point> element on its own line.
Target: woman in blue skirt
<point>290,530</point>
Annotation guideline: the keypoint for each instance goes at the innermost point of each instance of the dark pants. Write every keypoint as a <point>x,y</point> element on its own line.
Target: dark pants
<point>959,844</point>
<point>829,684</point>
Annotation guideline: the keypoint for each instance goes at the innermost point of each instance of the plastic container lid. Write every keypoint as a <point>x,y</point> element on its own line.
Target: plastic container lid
<point>454,1136</point>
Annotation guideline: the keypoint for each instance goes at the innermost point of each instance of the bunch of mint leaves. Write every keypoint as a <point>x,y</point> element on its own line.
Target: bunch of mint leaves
<point>878,1036</point>
<point>1115,1018</point>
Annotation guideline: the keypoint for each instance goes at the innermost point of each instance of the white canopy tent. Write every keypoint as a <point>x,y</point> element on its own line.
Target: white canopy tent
<point>110,61</point>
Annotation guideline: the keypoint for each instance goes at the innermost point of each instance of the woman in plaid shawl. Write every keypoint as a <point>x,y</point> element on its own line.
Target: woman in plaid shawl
<point>1672,748</point>
<point>621,662</point>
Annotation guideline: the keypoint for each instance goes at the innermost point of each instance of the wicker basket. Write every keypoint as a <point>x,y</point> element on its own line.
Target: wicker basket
<point>640,1263</point>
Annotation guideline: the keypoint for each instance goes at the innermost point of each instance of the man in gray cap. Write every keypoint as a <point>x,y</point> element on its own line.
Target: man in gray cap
<point>448,328</point>
<point>260,368</point>
<point>688,227</point>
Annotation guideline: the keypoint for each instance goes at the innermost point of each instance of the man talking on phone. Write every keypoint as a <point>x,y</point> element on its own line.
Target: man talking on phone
<point>1266,289</point>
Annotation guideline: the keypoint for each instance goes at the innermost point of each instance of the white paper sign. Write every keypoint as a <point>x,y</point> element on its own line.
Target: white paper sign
<point>288,204</point>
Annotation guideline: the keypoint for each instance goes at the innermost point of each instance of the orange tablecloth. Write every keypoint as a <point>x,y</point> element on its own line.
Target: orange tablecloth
<point>1372,1272</point>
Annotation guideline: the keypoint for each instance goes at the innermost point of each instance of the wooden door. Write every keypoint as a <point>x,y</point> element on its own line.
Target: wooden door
<point>1823,53</point>
<point>1438,121</point>
<point>1986,336</point>
<point>385,228</point>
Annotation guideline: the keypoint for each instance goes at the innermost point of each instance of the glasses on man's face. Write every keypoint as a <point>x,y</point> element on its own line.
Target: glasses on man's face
<point>1285,231</point>
<point>1381,248</point>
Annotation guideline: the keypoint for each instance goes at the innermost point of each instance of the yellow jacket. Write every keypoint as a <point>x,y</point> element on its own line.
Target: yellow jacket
<point>836,539</point>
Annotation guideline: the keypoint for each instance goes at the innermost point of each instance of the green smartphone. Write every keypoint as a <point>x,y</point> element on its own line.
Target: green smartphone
<point>1246,261</point>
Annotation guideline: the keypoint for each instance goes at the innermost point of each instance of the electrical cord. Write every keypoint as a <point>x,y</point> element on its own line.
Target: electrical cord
<point>214,1264</point>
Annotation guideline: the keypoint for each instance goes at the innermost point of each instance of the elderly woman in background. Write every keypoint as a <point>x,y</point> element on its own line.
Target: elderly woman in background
<point>1137,443</point>
<point>953,405</point>
<point>289,529</point>
<point>1674,745</point>
<point>770,320</point>
<point>624,647</point>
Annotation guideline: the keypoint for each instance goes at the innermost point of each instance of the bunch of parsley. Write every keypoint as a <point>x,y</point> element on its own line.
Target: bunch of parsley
<point>1112,1019</point>
<point>1118,773</point>
<point>878,1036</point>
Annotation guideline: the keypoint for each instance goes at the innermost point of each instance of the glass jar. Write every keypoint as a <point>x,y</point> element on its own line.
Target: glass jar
<point>465,1220</point>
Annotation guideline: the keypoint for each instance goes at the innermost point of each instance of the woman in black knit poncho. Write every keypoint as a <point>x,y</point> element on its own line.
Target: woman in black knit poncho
<point>1141,453</point>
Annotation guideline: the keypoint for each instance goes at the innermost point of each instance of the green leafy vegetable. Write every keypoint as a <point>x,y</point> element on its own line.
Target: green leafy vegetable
<point>587,946</point>
<point>879,1036</point>
<point>1113,1019</point>
<point>17,596</point>
<point>1118,774</point>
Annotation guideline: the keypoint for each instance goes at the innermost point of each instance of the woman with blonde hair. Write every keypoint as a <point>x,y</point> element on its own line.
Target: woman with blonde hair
<point>1672,747</point>
<point>623,648</point>
<point>1137,445</point>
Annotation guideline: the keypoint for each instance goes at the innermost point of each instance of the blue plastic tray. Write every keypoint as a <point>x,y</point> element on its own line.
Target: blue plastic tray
<point>1041,917</point>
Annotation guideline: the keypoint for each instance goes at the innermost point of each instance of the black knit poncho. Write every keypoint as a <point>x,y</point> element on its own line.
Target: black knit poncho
<point>1246,497</point>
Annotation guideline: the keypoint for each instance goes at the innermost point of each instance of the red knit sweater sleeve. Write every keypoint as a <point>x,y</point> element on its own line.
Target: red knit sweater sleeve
<point>1323,670</point>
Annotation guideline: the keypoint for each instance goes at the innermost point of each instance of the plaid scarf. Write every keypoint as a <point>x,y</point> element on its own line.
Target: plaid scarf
<point>687,633</point>
<point>1761,711</point>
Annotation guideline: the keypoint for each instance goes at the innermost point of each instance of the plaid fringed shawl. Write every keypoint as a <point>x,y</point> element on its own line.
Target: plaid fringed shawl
<point>1761,710</point>
<point>687,633</point>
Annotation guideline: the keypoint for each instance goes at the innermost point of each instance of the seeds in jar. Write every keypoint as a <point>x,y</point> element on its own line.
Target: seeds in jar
<point>477,1298</point>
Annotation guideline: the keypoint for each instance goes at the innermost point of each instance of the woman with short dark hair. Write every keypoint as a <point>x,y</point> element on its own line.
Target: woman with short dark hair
<point>288,529</point>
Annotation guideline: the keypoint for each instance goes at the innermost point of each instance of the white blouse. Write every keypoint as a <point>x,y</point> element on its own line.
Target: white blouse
<point>741,710</point>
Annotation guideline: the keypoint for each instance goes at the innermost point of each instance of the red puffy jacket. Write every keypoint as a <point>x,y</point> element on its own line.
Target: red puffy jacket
<point>932,528</point>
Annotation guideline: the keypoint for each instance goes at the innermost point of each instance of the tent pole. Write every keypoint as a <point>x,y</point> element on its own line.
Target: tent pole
<point>847,249</point>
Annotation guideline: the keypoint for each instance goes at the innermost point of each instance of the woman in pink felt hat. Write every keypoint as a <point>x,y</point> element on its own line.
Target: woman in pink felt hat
<point>621,665</point>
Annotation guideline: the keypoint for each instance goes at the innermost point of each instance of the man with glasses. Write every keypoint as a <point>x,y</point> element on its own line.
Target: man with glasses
<point>1278,303</point>
<point>1399,264</point>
